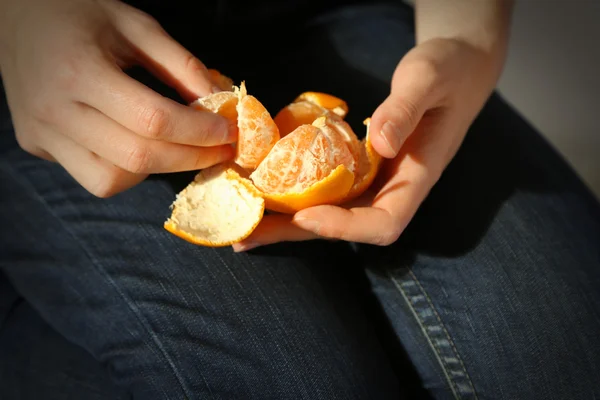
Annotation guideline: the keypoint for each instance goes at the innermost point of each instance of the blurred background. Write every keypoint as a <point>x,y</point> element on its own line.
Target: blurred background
<point>552,77</point>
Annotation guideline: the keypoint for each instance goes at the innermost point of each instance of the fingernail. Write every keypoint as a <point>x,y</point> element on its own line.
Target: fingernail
<point>393,137</point>
<point>215,89</point>
<point>244,246</point>
<point>308,224</point>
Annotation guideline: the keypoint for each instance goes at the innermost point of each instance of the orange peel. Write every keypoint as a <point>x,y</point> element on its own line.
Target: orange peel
<point>369,163</point>
<point>295,114</point>
<point>258,133</point>
<point>219,208</point>
<point>306,156</point>
<point>329,190</point>
<point>325,100</point>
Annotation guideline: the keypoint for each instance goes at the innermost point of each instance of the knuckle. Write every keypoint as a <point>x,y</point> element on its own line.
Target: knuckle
<point>44,110</point>
<point>410,110</point>
<point>104,184</point>
<point>192,64</point>
<point>108,181</point>
<point>154,122</point>
<point>103,189</point>
<point>425,67</point>
<point>68,73</point>
<point>209,130</point>
<point>145,20</point>
<point>387,237</point>
<point>139,160</point>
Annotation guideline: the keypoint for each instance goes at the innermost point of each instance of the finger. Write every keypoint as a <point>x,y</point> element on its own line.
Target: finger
<point>413,93</point>
<point>96,175</point>
<point>150,115</point>
<point>361,224</point>
<point>384,221</point>
<point>133,153</point>
<point>274,229</point>
<point>162,55</point>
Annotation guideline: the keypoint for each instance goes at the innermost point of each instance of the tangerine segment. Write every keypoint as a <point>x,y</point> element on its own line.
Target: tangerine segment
<point>327,101</point>
<point>301,159</point>
<point>333,126</point>
<point>222,103</point>
<point>330,190</point>
<point>218,208</point>
<point>222,81</point>
<point>295,114</point>
<point>369,163</point>
<point>257,130</point>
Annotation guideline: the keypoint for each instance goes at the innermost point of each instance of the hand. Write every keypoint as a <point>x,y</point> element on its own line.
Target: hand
<point>62,65</point>
<point>437,90</point>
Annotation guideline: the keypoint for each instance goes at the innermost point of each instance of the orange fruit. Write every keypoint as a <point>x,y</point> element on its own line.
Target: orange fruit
<point>306,156</point>
<point>332,189</point>
<point>295,114</point>
<point>222,103</point>
<point>306,108</point>
<point>257,130</point>
<point>327,101</point>
<point>369,163</point>
<point>222,81</point>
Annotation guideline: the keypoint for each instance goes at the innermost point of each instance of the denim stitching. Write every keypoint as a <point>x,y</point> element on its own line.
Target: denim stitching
<point>437,335</point>
<point>126,299</point>
<point>463,373</point>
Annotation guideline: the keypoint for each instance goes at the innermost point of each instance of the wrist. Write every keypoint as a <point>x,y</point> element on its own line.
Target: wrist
<point>482,25</point>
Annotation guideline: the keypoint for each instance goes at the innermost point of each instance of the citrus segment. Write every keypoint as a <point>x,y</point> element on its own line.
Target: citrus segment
<point>222,103</point>
<point>369,162</point>
<point>333,126</point>
<point>257,130</point>
<point>301,159</point>
<point>295,114</point>
<point>222,81</point>
<point>218,208</point>
<point>330,190</point>
<point>327,101</point>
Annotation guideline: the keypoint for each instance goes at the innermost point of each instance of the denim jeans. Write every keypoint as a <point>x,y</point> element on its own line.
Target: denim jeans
<point>493,291</point>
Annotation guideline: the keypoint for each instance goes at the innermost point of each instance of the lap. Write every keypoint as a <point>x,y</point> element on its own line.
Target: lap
<point>35,359</point>
<point>172,319</point>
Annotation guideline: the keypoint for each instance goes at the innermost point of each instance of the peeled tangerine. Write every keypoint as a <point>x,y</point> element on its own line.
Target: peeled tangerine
<point>306,156</point>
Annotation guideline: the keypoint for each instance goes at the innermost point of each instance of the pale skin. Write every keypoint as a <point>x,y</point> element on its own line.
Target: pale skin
<point>61,62</point>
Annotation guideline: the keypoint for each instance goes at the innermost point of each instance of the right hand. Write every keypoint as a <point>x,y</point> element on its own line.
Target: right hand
<point>62,65</point>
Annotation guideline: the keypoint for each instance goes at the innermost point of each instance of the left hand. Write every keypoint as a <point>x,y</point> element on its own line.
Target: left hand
<point>437,90</point>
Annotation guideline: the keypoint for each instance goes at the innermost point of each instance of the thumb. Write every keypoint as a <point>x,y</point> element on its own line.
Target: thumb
<point>400,113</point>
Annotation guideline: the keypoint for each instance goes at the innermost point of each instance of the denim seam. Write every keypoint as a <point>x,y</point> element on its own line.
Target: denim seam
<point>443,347</point>
<point>126,299</point>
<point>448,337</point>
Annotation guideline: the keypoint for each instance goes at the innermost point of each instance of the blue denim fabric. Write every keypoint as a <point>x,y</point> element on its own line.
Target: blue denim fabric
<point>492,292</point>
<point>38,363</point>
